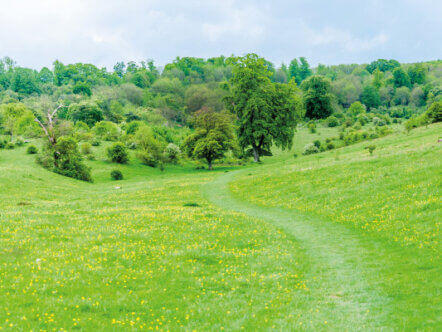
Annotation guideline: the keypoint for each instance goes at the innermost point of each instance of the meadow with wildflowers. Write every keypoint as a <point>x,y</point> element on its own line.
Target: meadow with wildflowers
<point>90,256</point>
<point>389,201</point>
<point>340,240</point>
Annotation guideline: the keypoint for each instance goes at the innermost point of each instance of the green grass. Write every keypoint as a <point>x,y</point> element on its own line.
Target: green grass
<point>336,241</point>
<point>390,204</point>
<point>394,193</point>
<point>135,257</point>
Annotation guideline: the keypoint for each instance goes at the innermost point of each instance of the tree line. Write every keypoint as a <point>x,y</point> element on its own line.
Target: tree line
<point>206,107</point>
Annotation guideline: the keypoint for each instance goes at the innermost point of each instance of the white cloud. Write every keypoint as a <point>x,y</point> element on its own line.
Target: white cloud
<point>344,39</point>
<point>246,23</point>
<point>36,32</point>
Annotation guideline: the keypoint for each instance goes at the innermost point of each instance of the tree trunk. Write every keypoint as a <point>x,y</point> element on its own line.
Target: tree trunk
<point>255,154</point>
<point>210,165</point>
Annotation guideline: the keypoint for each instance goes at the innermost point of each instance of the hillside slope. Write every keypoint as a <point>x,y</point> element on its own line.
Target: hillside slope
<point>386,207</point>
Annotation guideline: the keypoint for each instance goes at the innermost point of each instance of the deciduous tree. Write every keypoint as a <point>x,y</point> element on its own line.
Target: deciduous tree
<point>213,137</point>
<point>317,97</point>
<point>266,112</point>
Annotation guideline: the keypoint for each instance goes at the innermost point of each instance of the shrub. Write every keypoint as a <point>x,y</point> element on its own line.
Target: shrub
<point>116,174</point>
<point>147,158</point>
<point>70,162</point>
<point>3,143</point>
<point>317,143</point>
<point>434,112</point>
<point>330,146</point>
<point>379,122</point>
<point>31,149</point>
<point>191,204</point>
<point>332,121</point>
<point>310,149</point>
<point>132,127</point>
<point>356,108</point>
<point>132,146</point>
<point>348,122</point>
<point>106,130</point>
<point>19,142</point>
<point>383,131</point>
<point>312,127</point>
<point>10,146</point>
<point>117,153</point>
<point>363,119</point>
<point>172,153</point>
<point>86,148</point>
<point>66,160</point>
<point>151,148</point>
<point>371,148</point>
<point>81,131</point>
<point>96,143</point>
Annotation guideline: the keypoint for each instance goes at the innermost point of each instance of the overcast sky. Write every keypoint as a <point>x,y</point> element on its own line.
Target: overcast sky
<point>36,32</point>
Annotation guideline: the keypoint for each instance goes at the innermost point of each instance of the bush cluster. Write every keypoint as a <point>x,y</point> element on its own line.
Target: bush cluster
<point>32,149</point>
<point>310,149</point>
<point>65,159</point>
<point>117,153</point>
<point>116,174</point>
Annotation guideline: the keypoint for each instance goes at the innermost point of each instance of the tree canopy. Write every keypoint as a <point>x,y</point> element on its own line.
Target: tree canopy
<point>317,97</point>
<point>266,112</point>
<point>213,137</point>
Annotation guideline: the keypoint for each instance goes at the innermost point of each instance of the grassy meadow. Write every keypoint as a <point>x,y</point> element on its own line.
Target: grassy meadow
<point>89,256</point>
<point>341,240</point>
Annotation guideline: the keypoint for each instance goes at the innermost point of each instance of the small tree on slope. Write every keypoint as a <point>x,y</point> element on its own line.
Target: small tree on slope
<point>213,137</point>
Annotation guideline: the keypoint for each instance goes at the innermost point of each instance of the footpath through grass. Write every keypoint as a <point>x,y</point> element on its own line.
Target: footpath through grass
<point>390,202</point>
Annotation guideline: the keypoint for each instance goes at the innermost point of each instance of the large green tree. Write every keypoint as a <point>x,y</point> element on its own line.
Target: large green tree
<point>213,137</point>
<point>299,70</point>
<point>370,97</point>
<point>87,112</point>
<point>267,112</point>
<point>400,78</point>
<point>16,118</point>
<point>317,97</point>
<point>24,81</point>
<point>383,65</point>
<point>417,74</point>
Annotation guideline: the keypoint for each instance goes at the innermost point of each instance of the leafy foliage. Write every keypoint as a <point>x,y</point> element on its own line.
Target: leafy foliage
<point>317,97</point>
<point>213,137</point>
<point>267,112</point>
<point>65,159</point>
<point>32,149</point>
<point>116,174</point>
<point>150,148</point>
<point>87,112</point>
<point>117,153</point>
<point>370,97</point>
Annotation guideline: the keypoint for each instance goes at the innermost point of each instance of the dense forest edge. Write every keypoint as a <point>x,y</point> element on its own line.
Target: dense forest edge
<point>225,110</point>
